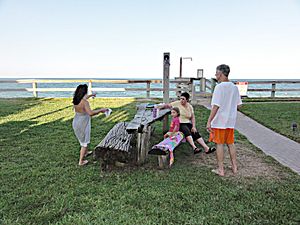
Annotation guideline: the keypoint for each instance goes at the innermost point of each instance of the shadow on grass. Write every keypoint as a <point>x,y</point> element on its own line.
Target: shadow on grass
<point>16,105</point>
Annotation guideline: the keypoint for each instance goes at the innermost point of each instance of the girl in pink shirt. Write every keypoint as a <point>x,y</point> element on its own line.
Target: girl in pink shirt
<point>175,123</point>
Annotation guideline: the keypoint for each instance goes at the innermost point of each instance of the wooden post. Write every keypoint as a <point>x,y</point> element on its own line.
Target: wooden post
<point>34,91</point>
<point>162,161</point>
<point>273,90</point>
<point>148,89</point>
<point>144,144</point>
<point>166,86</point>
<point>190,85</point>
<point>149,133</point>
<point>213,85</point>
<point>90,88</point>
<point>202,84</point>
<point>138,146</point>
<point>193,100</point>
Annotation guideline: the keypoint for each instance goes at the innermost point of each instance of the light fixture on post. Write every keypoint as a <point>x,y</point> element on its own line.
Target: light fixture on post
<point>199,73</point>
<point>180,64</point>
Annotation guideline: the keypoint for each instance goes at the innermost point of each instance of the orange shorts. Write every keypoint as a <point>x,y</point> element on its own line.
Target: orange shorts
<point>222,136</point>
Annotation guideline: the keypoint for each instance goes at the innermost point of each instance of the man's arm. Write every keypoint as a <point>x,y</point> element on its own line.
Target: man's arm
<point>212,115</point>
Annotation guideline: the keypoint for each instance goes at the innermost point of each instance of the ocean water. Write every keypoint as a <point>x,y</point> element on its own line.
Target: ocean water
<point>139,94</point>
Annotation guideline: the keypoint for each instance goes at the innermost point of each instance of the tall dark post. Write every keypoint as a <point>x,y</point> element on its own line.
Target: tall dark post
<point>166,86</point>
<point>180,64</point>
<point>180,67</point>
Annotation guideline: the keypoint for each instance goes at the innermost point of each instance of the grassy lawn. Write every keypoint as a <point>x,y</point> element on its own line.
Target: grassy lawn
<point>278,116</point>
<point>42,184</point>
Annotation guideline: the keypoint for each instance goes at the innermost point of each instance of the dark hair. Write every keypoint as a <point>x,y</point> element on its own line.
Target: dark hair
<point>176,109</point>
<point>224,69</point>
<point>79,93</point>
<point>186,95</point>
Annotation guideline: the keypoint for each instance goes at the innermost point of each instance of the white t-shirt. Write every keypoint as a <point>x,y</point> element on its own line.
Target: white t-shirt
<point>226,95</point>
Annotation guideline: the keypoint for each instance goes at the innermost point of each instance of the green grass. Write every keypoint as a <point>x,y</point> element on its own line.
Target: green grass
<point>278,116</point>
<point>270,99</point>
<point>42,184</point>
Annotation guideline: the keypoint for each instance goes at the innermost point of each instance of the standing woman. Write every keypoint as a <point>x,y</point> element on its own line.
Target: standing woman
<point>82,120</point>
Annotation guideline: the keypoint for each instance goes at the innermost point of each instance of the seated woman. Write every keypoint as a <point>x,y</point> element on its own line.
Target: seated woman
<point>188,123</point>
<point>82,120</point>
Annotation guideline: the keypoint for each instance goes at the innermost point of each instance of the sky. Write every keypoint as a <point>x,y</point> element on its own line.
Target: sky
<point>258,39</point>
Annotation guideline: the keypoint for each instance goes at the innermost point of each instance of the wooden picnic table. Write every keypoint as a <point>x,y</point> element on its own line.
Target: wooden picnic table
<point>128,142</point>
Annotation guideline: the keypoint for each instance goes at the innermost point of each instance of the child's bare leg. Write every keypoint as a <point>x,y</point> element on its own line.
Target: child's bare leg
<point>220,159</point>
<point>203,144</point>
<point>83,151</point>
<point>232,153</point>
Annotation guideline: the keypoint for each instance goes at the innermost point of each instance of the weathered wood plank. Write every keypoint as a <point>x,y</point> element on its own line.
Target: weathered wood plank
<point>117,138</point>
<point>117,146</point>
<point>144,116</point>
<point>135,123</point>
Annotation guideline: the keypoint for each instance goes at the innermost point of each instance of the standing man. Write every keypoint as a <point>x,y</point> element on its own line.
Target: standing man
<point>225,101</point>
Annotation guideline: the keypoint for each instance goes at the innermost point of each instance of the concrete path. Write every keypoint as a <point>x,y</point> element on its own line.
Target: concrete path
<point>281,148</point>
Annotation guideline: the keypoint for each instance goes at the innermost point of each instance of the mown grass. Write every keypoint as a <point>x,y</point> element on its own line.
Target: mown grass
<point>270,99</point>
<point>42,184</point>
<point>278,116</point>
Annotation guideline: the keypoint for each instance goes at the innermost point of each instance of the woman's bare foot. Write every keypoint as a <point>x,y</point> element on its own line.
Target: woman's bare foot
<point>84,162</point>
<point>218,172</point>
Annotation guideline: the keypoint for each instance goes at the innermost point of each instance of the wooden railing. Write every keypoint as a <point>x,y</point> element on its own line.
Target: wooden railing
<point>148,89</point>
<point>182,84</point>
<point>210,85</point>
<point>273,88</point>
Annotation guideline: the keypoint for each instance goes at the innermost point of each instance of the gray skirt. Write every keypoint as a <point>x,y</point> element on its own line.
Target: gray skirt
<point>82,128</point>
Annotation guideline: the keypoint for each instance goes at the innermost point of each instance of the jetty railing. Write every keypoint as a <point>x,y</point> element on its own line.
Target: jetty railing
<point>210,85</point>
<point>148,89</point>
<point>196,86</point>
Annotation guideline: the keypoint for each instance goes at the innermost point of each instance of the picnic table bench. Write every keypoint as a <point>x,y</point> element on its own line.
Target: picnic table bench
<point>128,142</point>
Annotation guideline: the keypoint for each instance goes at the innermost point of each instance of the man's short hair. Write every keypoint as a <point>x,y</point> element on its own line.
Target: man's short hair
<point>224,69</point>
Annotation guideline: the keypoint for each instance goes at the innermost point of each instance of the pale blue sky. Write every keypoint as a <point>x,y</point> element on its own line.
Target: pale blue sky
<point>120,39</point>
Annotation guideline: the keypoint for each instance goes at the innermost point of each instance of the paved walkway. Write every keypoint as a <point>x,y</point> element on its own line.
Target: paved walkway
<point>281,148</point>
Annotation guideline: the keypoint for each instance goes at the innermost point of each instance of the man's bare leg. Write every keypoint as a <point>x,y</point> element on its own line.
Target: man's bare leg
<point>220,159</point>
<point>232,153</point>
